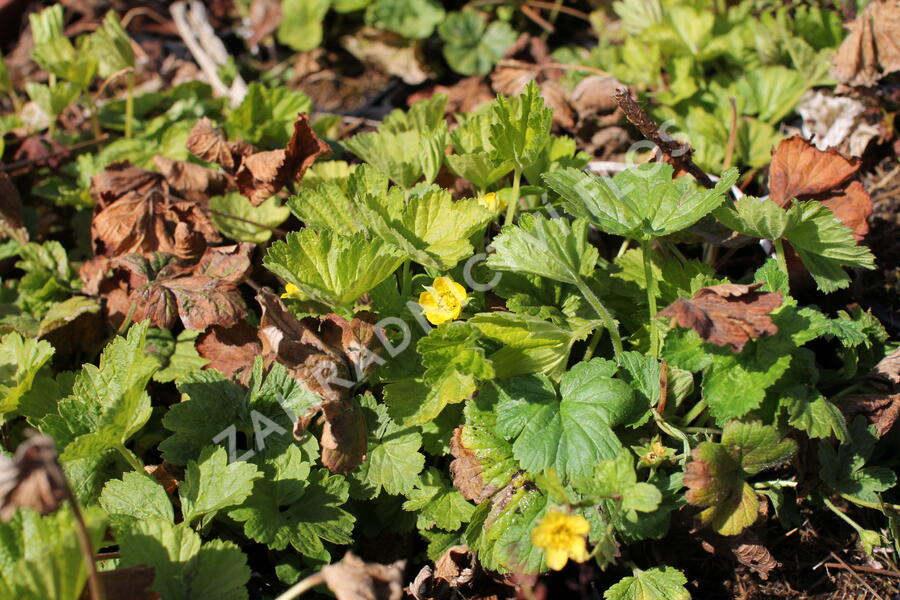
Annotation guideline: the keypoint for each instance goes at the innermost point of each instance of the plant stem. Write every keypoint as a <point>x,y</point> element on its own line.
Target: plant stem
<point>129,106</point>
<point>695,412</point>
<point>514,201</point>
<point>84,540</point>
<point>302,587</point>
<point>674,432</point>
<point>709,430</point>
<point>406,281</point>
<point>130,458</point>
<point>841,514</point>
<point>779,256</point>
<point>604,315</point>
<point>592,345</point>
<point>651,298</point>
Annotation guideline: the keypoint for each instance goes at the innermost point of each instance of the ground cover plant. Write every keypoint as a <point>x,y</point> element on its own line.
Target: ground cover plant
<point>451,300</point>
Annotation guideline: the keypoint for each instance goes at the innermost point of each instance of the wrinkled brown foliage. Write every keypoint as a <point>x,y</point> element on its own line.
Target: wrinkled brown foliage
<point>259,175</point>
<point>230,350</point>
<point>727,314</point>
<point>353,579</point>
<point>800,170</point>
<point>459,574</point>
<point>326,355</point>
<point>872,48</point>
<point>31,479</point>
<point>466,470</point>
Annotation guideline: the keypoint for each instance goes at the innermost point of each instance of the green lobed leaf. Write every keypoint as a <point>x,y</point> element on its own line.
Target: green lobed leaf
<point>301,27</point>
<point>252,223</point>
<point>657,583</point>
<point>414,19</point>
<point>20,361</point>
<point>185,568</point>
<point>471,47</point>
<point>211,484</point>
<point>136,496</point>
<point>521,127</point>
<point>437,503</point>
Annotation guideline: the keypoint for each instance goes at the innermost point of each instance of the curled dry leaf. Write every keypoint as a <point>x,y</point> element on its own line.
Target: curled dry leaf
<point>32,478</point>
<point>10,208</point>
<point>325,355</point>
<point>128,583</point>
<point>259,175</point>
<point>595,95</point>
<point>230,350</point>
<point>466,470</point>
<point>265,16</point>
<point>872,48</point>
<point>880,410</point>
<point>751,552</point>
<point>354,579</point>
<point>189,178</point>
<point>390,53</point>
<point>163,476</point>
<point>727,314</point>
<point>165,290</point>
<point>458,574</point>
<point>800,170</point>
<point>836,122</point>
<point>889,367</point>
<point>134,211</point>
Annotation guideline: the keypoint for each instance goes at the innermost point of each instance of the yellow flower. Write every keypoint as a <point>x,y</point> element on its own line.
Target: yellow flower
<point>493,202</point>
<point>292,291</point>
<point>443,300</point>
<point>561,536</point>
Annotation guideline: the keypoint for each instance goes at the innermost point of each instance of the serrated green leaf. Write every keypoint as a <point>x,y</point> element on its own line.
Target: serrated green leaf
<point>41,557</point>
<point>331,269</point>
<point>429,228</point>
<point>211,484</point>
<point>185,568</point>
<point>136,496</point>
<point>825,245</point>
<point>179,358</point>
<point>111,46</point>
<point>844,470</point>
<point>20,361</point>
<point>393,460</point>
<point>570,435</point>
<point>553,248</point>
<point>758,218</point>
<point>109,403</point>
<point>657,583</point>
<point>414,19</point>
<point>640,203</point>
<point>266,115</point>
<point>471,47</point>
<point>521,127</point>
<point>438,503</point>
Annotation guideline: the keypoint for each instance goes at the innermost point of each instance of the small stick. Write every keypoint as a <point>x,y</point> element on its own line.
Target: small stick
<point>856,576</point>
<point>680,153</point>
<point>872,570</point>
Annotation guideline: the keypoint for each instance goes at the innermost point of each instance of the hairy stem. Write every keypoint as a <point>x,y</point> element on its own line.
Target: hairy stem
<point>779,256</point>
<point>514,201</point>
<point>651,298</point>
<point>604,315</point>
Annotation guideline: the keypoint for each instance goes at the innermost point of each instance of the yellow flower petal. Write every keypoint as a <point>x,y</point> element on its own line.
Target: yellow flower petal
<point>578,524</point>
<point>292,291</point>
<point>556,558</point>
<point>578,550</point>
<point>443,301</point>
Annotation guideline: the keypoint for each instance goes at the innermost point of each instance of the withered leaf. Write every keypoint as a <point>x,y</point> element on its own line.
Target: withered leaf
<point>32,478</point>
<point>466,470</point>
<point>889,367</point>
<point>163,476</point>
<point>135,212</point>
<point>259,175</point>
<point>325,355</point>
<point>872,48</point>
<point>190,178</point>
<point>595,95</point>
<point>230,350</point>
<point>800,169</point>
<point>265,16</point>
<point>458,574</point>
<point>752,553</point>
<point>354,579</point>
<point>881,410</point>
<point>10,207</point>
<point>727,314</point>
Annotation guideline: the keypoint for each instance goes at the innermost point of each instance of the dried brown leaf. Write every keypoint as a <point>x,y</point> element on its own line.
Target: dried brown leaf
<point>353,579</point>
<point>889,367</point>
<point>595,95</point>
<point>230,350</point>
<point>190,178</point>
<point>727,314</point>
<point>32,478</point>
<point>800,169</point>
<point>466,470</point>
<point>207,143</point>
<point>881,410</point>
<point>265,16</point>
<point>872,48</point>
<point>10,207</point>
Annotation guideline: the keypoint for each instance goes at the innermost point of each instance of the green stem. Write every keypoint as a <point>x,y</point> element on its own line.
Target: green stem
<point>514,201</point>
<point>95,118</point>
<point>129,106</point>
<point>604,315</point>
<point>841,514</point>
<point>651,298</point>
<point>406,281</point>
<point>709,430</point>
<point>775,483</point>
<point>592,345</point>
<point>779,256</point>
<point>130,458</point>
<point>695,412</point>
